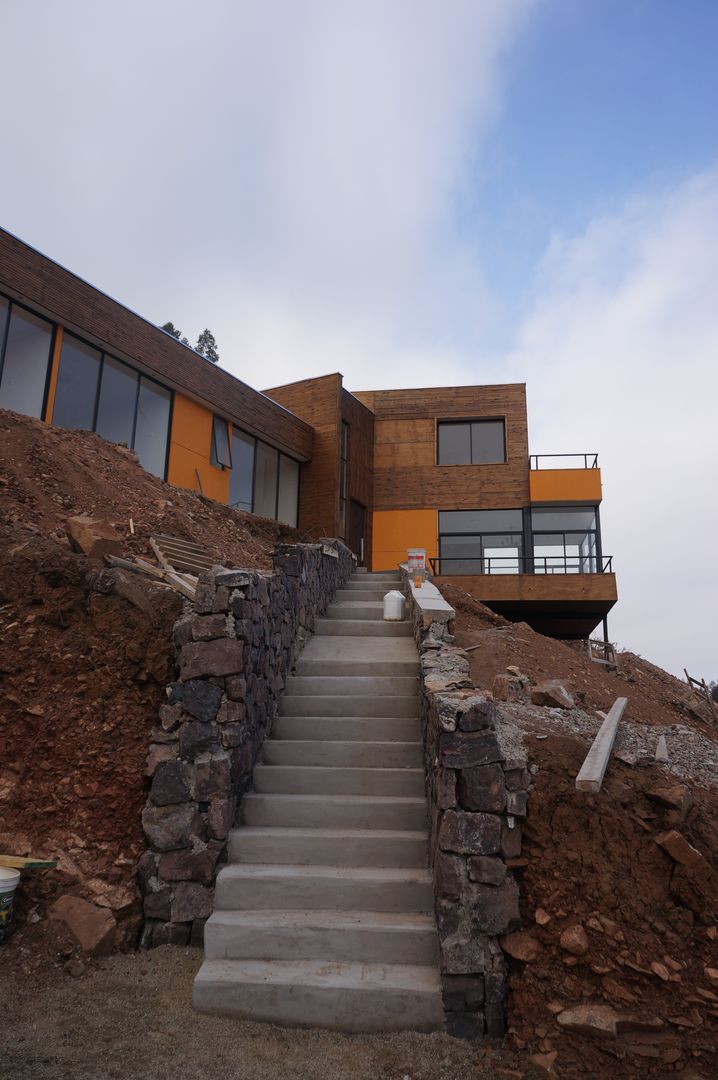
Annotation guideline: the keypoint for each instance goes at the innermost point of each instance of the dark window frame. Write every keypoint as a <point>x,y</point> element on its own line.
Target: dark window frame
<point>12,303</point>
<point>596,558</point>
<point>467,421</point>
<point>281,454</point>
<point>214,458</point>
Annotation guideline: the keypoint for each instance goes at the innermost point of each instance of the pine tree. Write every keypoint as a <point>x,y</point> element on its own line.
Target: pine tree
<point>170,328</point>
<point>207,346</point>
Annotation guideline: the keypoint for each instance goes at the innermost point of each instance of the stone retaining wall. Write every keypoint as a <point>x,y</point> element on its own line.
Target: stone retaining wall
<point>236,646</point>
<point>477,788</point>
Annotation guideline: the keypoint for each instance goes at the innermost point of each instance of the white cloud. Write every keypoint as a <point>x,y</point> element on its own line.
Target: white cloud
<point>619,352</point>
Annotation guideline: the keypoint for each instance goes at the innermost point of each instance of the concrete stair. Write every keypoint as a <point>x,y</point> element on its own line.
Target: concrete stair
<point>324,914</point>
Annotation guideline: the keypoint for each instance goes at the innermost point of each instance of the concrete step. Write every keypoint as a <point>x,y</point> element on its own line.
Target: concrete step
<point>347,997</point>
<point>353,668</point>
<point>377,575</point>
<point>355,595</point>
<point>356,685</point>
<point>359,609</point>
<point>366,655</point>
<point>362,628</point>
<point>335,780</point>
<point>242,886</point>
<point>346,705</point>
<point>384,729</point>
<point>369,937</point>
<point>351,754</point>
<point>343,811</point>
<point>328,847</point>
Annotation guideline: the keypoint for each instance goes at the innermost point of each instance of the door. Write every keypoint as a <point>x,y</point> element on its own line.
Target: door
<point>356,536</point>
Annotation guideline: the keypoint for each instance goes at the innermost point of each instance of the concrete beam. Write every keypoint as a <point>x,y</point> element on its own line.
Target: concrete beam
<point>593,769</point>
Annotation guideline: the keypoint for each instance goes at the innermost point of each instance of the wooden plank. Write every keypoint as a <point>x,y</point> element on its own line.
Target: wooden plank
<point>181,585</point>
<point>159,554</point>
<point>593,770</point>
<point>17,862</point>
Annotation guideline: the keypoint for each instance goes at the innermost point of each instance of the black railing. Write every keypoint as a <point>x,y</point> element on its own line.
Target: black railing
<point>520,564</point>
<point>590,461</point>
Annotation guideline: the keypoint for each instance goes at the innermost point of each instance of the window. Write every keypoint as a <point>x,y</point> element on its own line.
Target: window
<point>288,496</point>
<point>242,478</point>
<point>24,358</point>
<point>77,381</point>
<point>480,542</point>
<point>220,454</point>
<point>266,471</point>
<point>472,442</point>
<point>566,540</point>
<point>343,478</point>
<point>96,392</point>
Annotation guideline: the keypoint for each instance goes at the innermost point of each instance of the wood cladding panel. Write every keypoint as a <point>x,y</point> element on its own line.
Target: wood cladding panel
<point>317,402</point>
<point>534,587</point>
<point>33,279</point>
<point>405,471</point>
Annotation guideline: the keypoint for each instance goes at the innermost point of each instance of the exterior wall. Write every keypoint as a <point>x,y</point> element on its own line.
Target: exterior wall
<point>318,402</point>
<point>394,531</point>
<point>565,485</point>
<point>405,471</point>
<point>535,587</point>
<point>190,442</point>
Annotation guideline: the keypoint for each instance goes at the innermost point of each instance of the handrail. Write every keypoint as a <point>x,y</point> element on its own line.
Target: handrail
<point>526,564</point>
<point>535,459</point>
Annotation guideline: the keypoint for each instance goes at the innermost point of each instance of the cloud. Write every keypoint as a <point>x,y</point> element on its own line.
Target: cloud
<point>619,352</point>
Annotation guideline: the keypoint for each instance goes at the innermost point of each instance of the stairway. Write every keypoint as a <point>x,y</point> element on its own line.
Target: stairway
<point>323,915</point>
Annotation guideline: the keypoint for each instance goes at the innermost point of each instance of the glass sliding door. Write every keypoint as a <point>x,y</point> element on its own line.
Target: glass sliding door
<point>566,540</point>
<point>481,542</point>
<point>241,480</point>
<point>288,497</point>
<point>77,380</point>
<point>25,359</point>
<point>265,480</point>
<point>152,427</point>
<point>118,401</point>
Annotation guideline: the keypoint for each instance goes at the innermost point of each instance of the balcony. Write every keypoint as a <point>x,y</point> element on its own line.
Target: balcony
<point>564,478</point>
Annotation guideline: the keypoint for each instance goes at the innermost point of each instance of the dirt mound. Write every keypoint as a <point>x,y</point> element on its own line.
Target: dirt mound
<point>83,669</point>
<point>612,920</point>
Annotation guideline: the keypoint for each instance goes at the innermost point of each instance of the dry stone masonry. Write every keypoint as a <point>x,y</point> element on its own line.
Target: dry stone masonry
<point>236,646</point>
<point>477,786</point>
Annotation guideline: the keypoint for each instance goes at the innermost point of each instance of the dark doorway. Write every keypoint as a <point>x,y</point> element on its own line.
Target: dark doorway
<point>356,535</point>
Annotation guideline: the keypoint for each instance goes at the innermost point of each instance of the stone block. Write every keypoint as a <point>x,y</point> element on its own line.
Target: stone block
<point>209,627</point>
<point>188,866</point>
<point>156,905</point>
<point>446,789</point>
<point>212,776</point>
<point>494,1020</point>
<point>231,712</point>
<point>510,840</point>
<point>517,803</point>
<point>159,753</point>
<point>221,599</point>
<point>93,536</point>
<point>220,817</point>
<point>552,693</point>
<point>481,787</point>
<point>462,750</point>
<point>170,783</point>
<point>168,933</point>
<point>448,875</point>
<point>200,659</point>
<point>470,834</point>
<point>201,699</point>
<point>486,870</point>
<point>92,927</point>
<point>170,716</point>
<point>236,687</point>
<point>197,737</point>
<point>464,1025</point>
<point>517,779</point>
<point>496,907</point>
<point>475,714</point>
<point>233,579</point>
<point>496,987</point>
<point>196,939</point>
<point>231,735</point>
<point>190,900</point>
<point>169,827</point>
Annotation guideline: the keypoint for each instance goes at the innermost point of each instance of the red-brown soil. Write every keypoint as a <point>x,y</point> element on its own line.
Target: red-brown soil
<point>82,672</point>
<point>593,860</point>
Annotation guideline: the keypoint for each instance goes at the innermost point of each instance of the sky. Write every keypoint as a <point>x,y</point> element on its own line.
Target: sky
<point>414,193</point>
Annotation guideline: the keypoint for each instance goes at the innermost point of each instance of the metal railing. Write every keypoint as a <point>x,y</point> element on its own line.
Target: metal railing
<point>590,461</point>
<point>523,564</point>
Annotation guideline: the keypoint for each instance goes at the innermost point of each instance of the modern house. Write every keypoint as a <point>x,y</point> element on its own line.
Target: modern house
<point>446,469</point>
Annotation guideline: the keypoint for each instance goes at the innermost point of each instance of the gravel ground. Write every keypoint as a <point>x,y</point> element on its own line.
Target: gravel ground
<point>692,757</point>
<point>131,1020</point>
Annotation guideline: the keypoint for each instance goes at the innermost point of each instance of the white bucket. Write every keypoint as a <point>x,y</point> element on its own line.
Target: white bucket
<point>9,881</point>
<point>394,602</point>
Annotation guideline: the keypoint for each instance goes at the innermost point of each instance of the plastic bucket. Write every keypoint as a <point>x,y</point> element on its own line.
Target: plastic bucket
<point>394,606</point>
<point>416,560</point>
<point>9,880</point>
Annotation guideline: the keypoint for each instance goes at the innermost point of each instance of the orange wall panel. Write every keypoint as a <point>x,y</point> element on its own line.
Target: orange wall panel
<point>565,485</point>
<point>394,531</point>
<point>190,442</point>
<point>54,372</point>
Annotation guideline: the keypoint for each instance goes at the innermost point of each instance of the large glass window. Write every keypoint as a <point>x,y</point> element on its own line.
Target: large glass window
<point>242,477</point>
<point>118,400</point>
<point>265,480</point>
<point>77,380</point>
<point>473,442</point>
<point>153,422</point>
<point>24,363</point>
<point>565,540</point>
<point>480,542</point>
<point>220,453</point>
<point>288,496</point>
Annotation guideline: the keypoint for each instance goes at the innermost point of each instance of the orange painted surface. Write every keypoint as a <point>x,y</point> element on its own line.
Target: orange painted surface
<point>565,485</point>
<point>190,442</point>
<point>54,372</point>
<point>393,531</point>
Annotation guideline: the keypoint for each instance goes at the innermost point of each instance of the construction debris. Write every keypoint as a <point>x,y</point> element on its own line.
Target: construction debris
<point>602,652</point>
<point>662,749</point>
<point>699,687</point>
<point>593,769</point>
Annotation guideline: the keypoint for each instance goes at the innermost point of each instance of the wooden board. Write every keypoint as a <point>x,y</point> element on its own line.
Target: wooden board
<point>17,862</point>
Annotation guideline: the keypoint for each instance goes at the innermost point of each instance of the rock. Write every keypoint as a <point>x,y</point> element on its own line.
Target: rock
<point>470,834</point>
<point>170,783</point>
<point>157,905</point>
<point>169,827</point>
<point>212,776</point>
<point>545,1061</point>
<point>486,870</point>
<point>119,898</point>
<point>616,992</point>
<point>93,536</point>
<point>662,749</point>
<point>482,788</point>
<point>446,789</point>
<point>92,927</point>
<point>521,945</point>
<point>209,627</point>
<point>201,699</point>
<point>200,659</point>
<point>196,736</point>
<point>711,974</point>
<point>496,908</point>
<point>220,817</point>
<point>513,670</point>
<point>475,713</point>
<point>517,803</point>
<point>660,970</point>
<point>574,939</point>
<point>599,1020</point>
<point>510,840</point>
<point>462,750</point>
<point>553,694</point>
<point>500,688</point>
<point>448,876</point>
<point>188,866</point>
<point>191,901</point>
<point>158,753</point>
<point>676,845</point>
<point>676,796</point>
<point>542,917</point>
